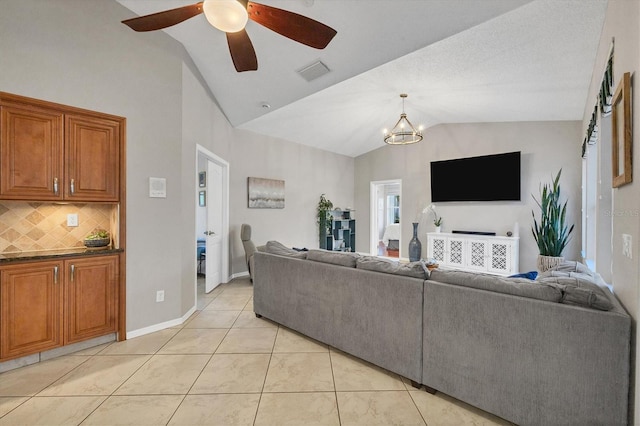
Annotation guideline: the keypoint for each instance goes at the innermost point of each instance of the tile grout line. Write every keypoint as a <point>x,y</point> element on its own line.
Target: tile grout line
<point>335,388</point>
<point>264,381</point>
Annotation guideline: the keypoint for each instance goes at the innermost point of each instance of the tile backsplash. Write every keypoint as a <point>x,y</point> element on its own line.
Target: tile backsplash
<point>37,226</point>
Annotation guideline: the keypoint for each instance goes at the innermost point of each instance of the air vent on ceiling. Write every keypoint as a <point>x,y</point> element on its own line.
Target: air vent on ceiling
<point>313,71</point>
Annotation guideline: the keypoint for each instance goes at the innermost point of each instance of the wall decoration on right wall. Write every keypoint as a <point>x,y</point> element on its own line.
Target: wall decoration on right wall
<point>621,140</point>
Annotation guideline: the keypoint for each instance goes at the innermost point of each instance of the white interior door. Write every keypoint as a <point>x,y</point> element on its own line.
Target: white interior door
<point>214,230</point>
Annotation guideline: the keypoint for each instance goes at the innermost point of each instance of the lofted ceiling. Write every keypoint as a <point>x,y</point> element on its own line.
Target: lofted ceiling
<point>459,61</point>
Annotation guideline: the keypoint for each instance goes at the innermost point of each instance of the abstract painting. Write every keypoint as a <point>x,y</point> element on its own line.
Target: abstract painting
<point>265,193</point>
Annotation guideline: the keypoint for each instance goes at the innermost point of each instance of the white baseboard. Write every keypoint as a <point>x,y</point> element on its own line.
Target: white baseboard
<point>161,326</point>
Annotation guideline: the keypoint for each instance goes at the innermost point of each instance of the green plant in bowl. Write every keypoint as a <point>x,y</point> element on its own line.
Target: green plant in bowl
<point>97,238</point>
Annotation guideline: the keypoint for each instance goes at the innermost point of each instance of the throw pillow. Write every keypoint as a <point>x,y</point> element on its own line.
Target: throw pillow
<point>531,275</point>
<point>275,247</point>
<point>333,257</point>
<point>578,290</point>
<point>572,266</point>
<point>413,269</point>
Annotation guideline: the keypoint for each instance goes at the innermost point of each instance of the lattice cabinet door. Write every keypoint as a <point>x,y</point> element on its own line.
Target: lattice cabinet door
<point>477,255</point>
<point>437,248</point>
<point>500,257</point>
<point>456,256</point>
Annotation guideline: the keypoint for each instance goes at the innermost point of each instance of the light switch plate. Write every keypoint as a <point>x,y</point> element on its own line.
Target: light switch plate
<point>72,219</point>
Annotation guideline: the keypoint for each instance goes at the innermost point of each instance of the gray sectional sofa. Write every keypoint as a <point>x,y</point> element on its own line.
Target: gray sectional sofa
<point>554,351</point>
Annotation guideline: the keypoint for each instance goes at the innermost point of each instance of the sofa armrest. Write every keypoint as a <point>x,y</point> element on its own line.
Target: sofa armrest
<point>528,361</point>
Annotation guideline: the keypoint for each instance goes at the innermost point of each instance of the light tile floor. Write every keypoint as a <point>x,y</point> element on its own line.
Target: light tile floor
<point>223,366</point>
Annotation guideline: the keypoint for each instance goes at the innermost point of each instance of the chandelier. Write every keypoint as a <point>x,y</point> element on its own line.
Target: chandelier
<point>403,133</point>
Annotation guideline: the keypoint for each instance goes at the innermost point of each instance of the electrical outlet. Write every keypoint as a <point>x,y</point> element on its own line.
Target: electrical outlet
<point>72,219</point>
<point>160,296</point>
<point>627,246</point>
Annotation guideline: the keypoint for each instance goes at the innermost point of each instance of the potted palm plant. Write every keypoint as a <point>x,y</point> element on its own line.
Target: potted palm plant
<point>552,232</point>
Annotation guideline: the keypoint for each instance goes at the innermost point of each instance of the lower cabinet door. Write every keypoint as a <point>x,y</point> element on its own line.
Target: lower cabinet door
<point>31,311</point>
<point>91,297</point>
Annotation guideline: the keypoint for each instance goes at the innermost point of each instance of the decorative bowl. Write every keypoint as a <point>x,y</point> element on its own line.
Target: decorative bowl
<point>98,242</point>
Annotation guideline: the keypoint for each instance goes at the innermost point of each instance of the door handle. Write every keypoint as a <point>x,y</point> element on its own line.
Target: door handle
<point>209,233</point>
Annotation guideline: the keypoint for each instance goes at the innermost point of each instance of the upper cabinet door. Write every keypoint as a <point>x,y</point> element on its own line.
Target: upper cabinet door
<point>31,153</point>
<point>93,158</point>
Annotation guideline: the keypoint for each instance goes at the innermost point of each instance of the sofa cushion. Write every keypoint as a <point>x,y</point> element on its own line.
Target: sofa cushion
<point>515,286</point>
<point>334,257</point>
<point>579,289</point>
<point>275,247</point>
<point>413,269</point>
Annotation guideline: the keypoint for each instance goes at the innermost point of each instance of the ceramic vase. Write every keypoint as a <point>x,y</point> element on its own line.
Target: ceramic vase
<point>415,246</point>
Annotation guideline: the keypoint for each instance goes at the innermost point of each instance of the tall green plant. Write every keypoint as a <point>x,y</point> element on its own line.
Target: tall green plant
<point>324,208</point>
<point>552,232</point>
<point>324,220</point>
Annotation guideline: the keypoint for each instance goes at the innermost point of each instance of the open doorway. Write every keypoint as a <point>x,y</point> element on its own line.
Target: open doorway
<point>385,218</point>
<point>212,221</point>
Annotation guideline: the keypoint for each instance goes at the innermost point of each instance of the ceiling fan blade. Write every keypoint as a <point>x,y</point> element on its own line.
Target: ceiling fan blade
<point>242,52</point>
<point>289,24</point>
<point>167,18</point>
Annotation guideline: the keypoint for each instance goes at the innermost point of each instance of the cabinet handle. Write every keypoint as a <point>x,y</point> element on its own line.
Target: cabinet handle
<point>55,186</point>
<point>55,275</point>
<point>73,186</point>
<point>73,270</point>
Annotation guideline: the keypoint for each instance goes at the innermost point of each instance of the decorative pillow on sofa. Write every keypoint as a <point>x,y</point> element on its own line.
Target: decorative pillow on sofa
<point>334,257</point>
<point>413,269</point>
<point>515,286</point>
<point>571,266</point>
<point>274,247</point>
<point>579,289</point>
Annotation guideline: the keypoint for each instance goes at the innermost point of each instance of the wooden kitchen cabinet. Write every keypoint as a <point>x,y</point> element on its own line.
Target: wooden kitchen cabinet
<point>90,297</point>
<point>92,158</point>
<point>31,308</point>
<point>47,304</point>
<point>51,152</point>
<point>31,153</point>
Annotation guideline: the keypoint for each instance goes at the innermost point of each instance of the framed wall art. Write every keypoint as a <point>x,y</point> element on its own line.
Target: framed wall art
<point>202,179</point>
<point>621,140</point>
<point>265,193</point>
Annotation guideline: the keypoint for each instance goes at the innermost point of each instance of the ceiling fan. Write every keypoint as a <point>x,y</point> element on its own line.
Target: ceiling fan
<point>231,17</point>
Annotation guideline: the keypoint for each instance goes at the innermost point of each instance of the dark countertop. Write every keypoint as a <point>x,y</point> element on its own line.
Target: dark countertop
<point>54,254</point>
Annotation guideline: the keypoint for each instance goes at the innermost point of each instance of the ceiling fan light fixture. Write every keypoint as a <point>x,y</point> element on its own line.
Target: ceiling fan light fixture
<point>229,16</point>
<point>403,133</point>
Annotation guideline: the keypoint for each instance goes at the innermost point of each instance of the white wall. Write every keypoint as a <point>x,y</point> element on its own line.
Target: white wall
<point>545,147</point>
<point>78,53</point>
<point>622,22</point>
<point>307,173</point>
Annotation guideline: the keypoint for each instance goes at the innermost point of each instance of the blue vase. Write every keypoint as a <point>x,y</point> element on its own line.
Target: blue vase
<point>415,246</point>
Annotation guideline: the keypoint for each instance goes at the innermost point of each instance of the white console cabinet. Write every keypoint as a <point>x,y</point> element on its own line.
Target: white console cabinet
<point>471,252</point>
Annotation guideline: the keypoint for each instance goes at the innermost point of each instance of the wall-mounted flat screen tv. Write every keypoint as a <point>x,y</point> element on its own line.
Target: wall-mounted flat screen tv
<point>493,177</point>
